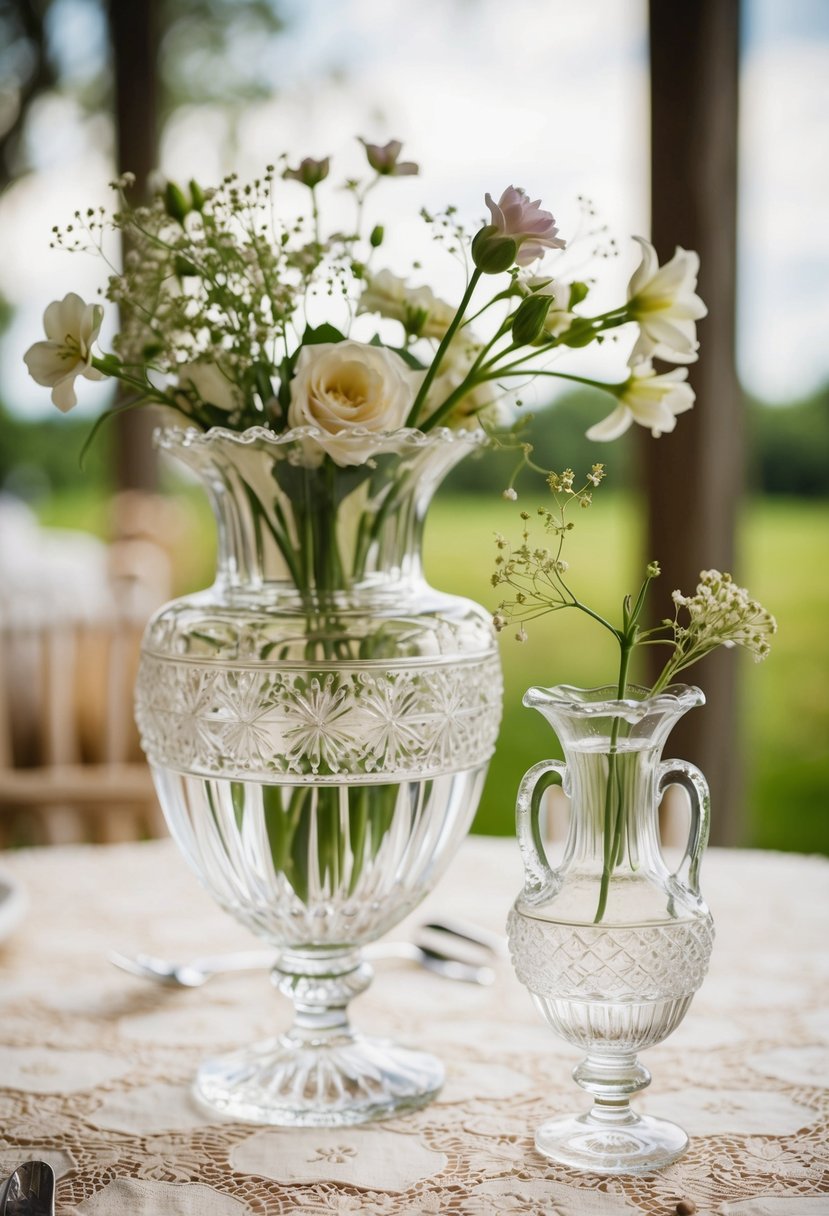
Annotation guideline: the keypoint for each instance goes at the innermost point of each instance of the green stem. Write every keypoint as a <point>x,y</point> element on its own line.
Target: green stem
<point>432,370</point>
<point>449,404</point>
<point>475,376</point>
<point>315,212</point>
<point>145,389</point>
<point>531,371</point>
<point>595,615</point>
<point>613,826</point>
<point>282,542</point>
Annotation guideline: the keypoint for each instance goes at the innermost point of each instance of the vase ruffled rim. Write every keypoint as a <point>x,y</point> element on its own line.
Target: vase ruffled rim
<point>374,443</point>
<point>603,701</point>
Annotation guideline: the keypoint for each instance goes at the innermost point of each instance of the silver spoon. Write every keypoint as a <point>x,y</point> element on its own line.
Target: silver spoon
<point>197,971</point>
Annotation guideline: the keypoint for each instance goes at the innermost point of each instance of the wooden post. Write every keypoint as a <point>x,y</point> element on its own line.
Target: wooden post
<point>134,35</point>
<point>694,476</point>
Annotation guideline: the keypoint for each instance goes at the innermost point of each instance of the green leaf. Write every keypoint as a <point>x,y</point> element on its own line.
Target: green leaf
<point>183,267</point>
<point>286,371</point>
<point>262,381</point>
<point>406,355</point>
<point>578,292</point>
<point>322,333</point>
<point>580,333</point>
<point>319,490</point>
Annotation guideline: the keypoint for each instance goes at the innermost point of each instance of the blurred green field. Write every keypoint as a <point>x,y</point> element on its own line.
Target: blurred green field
<point>784,718</point>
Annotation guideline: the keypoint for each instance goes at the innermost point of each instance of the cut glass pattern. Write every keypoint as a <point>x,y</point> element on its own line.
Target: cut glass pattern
<point>401,722</point>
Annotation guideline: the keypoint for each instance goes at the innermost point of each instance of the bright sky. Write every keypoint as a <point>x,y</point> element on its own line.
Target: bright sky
<point>552,98</point>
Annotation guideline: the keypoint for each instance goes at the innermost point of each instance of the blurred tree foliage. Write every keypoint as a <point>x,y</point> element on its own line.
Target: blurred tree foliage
<point>42,457</point>
<point>787,447</point>
<point>61,53</point>
<point>557,435</point>
<point>788,450</point>
<point>61,47</point>
<point>200,65</point>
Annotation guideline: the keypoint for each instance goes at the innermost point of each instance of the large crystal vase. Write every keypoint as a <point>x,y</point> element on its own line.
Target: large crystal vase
<point>613,942</point>
<point>319,724</point>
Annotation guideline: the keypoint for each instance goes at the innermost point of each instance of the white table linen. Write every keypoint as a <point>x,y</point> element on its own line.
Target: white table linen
<point>95,1066</point>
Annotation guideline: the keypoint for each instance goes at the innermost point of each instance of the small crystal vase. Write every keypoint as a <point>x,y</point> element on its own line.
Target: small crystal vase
<point>612,944</point>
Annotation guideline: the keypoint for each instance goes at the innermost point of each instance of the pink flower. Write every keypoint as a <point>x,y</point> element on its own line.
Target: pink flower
<point>384,159</point>
<point>533,230</point>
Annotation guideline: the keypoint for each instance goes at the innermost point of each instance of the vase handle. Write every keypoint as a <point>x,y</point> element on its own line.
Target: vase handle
<point>688,776</point>
<point>535,782</point>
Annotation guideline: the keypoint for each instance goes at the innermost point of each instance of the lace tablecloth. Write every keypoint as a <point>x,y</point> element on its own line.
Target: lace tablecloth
<point>95,1066</point>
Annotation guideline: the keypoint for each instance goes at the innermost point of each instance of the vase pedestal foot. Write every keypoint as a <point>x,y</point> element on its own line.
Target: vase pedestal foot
<point>338,1083</point>
<point>607,1143</point>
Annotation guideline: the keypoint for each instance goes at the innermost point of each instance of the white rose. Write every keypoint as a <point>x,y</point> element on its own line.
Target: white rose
<point>342,386</point>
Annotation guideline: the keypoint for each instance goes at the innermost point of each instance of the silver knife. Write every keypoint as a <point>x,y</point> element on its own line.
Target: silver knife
<point>30,1191</point>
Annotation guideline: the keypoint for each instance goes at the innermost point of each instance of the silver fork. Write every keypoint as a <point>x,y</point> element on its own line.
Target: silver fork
<point>197,971</point>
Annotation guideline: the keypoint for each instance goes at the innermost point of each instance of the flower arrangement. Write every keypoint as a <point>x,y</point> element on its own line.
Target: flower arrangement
<point>235,316</point>
<point>216,294</point>
<point>537,581</point>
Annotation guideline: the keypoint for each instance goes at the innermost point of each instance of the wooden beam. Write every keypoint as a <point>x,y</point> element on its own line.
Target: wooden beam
<point>134,29</point>
<point>694,477</point>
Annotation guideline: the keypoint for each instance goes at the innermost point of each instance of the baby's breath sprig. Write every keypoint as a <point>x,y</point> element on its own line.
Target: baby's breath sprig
<point>535,573</point>
<point>719,613</point>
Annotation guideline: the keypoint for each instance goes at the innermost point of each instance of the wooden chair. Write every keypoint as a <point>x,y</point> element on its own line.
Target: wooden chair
<point>70,765</point>
<point>71,768</point>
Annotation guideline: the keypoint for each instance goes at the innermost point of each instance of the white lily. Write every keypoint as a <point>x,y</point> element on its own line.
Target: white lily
<point>663,300</point>
<point>647,398</point>
<point>71,327</point>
